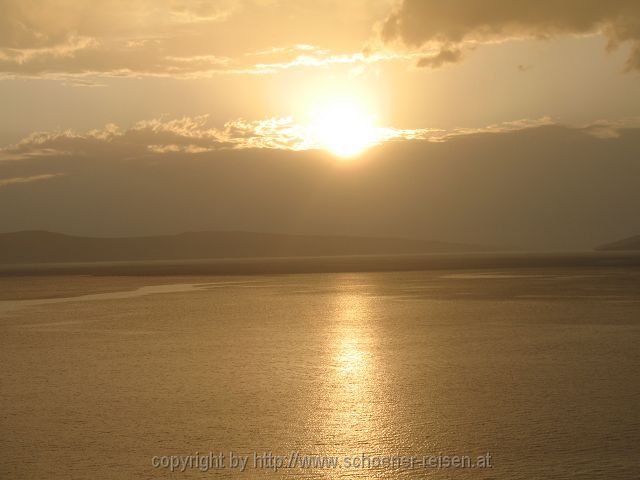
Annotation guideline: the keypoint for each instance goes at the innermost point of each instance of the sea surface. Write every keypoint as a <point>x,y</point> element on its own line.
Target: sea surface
<point>533,371</point>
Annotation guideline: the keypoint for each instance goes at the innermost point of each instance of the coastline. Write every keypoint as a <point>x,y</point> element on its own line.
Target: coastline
<point>330,264</point>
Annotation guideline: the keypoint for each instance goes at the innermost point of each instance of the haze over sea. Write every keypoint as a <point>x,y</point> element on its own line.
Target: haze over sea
<point>104,375</point>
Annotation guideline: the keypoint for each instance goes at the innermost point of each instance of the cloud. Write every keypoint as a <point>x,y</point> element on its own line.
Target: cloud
<point>34,178</point>
<point>437,60</point>
<point>278,133</point>
<point>432,22</point>
<point>177,38</point>
<point>157,135</point>
<point>199,39</point>
<point>194,135</point>
<point>186,135</point>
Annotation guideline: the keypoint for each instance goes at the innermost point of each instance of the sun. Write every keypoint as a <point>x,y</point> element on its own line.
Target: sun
<point>344,128</point>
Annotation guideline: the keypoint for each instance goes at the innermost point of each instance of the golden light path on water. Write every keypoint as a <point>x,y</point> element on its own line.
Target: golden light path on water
<point>358,400</point>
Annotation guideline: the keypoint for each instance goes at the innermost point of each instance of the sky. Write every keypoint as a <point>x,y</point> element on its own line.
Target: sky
<point>506,123</point>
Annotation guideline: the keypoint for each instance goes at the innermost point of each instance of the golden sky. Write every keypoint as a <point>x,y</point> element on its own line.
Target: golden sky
<point>155,79</point>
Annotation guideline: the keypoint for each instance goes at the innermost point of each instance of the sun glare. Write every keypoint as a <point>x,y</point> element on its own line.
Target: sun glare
<point>344,129</point>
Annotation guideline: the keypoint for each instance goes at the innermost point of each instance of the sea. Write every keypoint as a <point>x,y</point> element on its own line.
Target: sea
<point>485,373</point>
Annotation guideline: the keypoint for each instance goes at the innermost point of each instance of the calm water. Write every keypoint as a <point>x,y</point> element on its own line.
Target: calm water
<point>538,367</point>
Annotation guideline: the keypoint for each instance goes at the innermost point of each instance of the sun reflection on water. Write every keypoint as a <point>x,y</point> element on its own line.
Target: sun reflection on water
<point>351,359</point>
<point>351,352</point>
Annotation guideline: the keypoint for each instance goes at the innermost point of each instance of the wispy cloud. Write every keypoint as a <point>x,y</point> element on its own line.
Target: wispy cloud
<point>34,178</point>
<point>175,38</point>
<point>194,135</point>
<point>190,135</point>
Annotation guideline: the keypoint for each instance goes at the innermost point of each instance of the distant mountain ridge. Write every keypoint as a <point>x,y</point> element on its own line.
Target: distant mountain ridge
<point>49,247</point>
<point>630,243</point>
